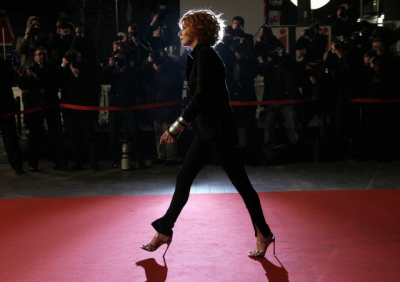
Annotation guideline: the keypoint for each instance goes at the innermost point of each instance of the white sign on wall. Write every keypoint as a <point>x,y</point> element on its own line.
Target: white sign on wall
<point>282,33</point>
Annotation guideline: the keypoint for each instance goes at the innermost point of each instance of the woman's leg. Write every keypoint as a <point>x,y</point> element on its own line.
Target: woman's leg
<point>228,156</point>
<point>197,156</point>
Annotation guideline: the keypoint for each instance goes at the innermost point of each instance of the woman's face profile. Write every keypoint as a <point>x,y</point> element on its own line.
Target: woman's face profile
<point>186,40</point>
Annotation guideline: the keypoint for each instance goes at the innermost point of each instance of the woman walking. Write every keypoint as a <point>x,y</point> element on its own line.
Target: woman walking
<point>211,114</point>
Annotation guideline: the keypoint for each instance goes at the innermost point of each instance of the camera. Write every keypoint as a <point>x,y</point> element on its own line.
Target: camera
<point>308,32</point>
<point>34,67</point>
<point>241,45</point>
<point>34,30</point>
<point>315,29</point>
<point>374,55</point>
<point>339,43</point>
<point>79,31</point>
<point>159,57</point>
<point>119,61</point>
<point>160,23</point>
<point>72,57</point>
<point>119,42</point>
<point>277,56</point>
<point>234,32</point>
<point>120,37</point>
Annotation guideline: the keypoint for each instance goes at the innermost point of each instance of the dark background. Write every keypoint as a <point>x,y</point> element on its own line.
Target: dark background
<point>101,17</point>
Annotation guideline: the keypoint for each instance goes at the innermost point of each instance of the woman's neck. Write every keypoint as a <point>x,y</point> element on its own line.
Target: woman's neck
<point>193,45</point>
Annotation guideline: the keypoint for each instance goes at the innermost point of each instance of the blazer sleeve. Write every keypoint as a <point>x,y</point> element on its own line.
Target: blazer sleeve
<point>203,76</point>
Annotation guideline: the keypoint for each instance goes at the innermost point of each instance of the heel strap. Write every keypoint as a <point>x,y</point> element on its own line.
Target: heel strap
<point>265,242</point>
<point>161,238</point>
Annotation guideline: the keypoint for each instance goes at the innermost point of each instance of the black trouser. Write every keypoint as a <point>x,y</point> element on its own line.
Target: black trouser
<point>10,140</point>
<point>80,126</point>
<point>197,157</point>
<point>34,122</point>
<point>116,120</point>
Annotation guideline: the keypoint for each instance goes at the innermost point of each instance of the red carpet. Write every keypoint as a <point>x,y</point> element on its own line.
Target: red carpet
<point>320,236</point>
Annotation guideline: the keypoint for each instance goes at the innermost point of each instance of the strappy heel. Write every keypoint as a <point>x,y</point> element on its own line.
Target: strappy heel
<point>257,253</point>
<point>160,240</point>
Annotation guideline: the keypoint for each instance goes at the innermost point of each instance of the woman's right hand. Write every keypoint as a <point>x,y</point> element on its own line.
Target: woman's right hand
<point>167,138</point>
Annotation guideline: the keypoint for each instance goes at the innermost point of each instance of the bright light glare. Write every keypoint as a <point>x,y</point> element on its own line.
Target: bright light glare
<point>315,4</point>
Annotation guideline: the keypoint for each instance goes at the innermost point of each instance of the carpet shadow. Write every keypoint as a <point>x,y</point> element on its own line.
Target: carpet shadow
<point>273,272</point>
<point>154,271</point>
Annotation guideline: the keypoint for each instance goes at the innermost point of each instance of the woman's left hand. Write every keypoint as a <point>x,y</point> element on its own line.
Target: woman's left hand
<point>167,138</point>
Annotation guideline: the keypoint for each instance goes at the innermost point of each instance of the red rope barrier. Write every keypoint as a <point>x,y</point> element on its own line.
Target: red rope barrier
<point>156,105</point>
<point>137,107</point>
<point>365,100</point>
<point>32,110</point>
<point>262,103</point>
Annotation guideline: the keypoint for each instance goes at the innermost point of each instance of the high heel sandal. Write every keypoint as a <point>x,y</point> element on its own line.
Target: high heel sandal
<point>261,253</point>
<point>161,240</point>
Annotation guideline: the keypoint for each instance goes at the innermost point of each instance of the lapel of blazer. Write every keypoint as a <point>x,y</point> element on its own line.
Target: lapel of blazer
<point>189,66</point>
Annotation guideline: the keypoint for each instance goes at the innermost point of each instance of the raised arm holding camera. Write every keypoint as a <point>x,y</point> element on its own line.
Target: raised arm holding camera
<point>159,34</point>
<point>236,31</point>
<point>344,24</point>
<point>314,42</point>
<point>62,40</point>
<point>32,39</point>
<point>140,48</point>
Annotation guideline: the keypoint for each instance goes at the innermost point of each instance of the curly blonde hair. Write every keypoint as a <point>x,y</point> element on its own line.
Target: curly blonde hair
<point>204,25</point>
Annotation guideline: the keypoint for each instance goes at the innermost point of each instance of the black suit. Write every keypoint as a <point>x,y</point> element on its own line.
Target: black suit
<point>209,108</point>
<point>211,114</point>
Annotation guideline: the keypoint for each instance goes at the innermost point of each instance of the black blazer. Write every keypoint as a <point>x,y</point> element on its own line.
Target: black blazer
<point>209,109</point>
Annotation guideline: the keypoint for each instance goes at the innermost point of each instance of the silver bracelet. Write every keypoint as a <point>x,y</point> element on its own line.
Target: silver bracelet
<point>176,128</point>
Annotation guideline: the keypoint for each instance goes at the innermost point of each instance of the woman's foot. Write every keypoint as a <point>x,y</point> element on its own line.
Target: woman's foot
<point>262,246</point>
<point>158,240</point>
